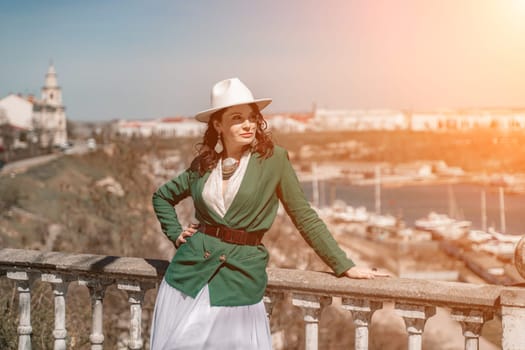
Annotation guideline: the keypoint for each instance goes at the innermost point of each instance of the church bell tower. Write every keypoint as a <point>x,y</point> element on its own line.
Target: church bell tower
<point>49,114</point>
<point>51,92</point>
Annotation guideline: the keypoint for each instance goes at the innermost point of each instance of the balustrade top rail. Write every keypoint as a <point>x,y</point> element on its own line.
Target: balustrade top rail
<point>435,293</point>
<point>84,264</point>
<point>415,300</point>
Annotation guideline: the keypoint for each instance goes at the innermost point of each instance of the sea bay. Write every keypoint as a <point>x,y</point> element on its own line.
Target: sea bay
<point>412,202</point>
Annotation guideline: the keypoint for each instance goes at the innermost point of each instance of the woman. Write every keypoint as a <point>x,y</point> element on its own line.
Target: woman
<point>211,294</point>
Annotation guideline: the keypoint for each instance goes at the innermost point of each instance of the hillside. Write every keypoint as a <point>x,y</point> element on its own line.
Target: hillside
<point>64,206</point>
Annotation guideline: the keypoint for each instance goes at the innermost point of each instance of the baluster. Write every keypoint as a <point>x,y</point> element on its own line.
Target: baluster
<point>512,302</point>
<point>24,281</point>
<point>312,306</point>
<point>269,299</point>
<point>135,292</point>
<point>471,322</point>
<point>415,317</point>
<point>59,285</point>
<point>362,311</point>
<point>97,289</point>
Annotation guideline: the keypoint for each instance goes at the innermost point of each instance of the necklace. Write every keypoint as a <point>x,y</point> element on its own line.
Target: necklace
<point>229,165</point>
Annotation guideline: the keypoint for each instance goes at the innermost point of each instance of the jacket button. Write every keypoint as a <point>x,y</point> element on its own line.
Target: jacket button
<point>207,254</point>
<point>222,258</point>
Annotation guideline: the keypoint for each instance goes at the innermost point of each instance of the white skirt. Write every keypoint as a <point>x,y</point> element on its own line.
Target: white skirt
<point>181,322</point>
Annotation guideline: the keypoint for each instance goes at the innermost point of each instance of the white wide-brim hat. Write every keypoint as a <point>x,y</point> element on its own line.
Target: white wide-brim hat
<point>228,93</point>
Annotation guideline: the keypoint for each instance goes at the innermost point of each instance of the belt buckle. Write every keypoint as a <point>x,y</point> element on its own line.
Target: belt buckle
<point>217,231</point>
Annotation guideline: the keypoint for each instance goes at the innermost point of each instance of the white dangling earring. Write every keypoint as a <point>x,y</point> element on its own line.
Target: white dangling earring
<point>218,146</point>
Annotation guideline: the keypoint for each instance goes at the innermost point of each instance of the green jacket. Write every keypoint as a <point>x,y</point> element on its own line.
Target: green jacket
<point>236,275</point>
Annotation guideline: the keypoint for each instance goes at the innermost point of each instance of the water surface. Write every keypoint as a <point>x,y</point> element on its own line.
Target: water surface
<point>414,202</point>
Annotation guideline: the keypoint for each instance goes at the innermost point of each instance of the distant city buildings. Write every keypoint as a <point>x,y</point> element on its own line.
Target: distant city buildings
<point>162,127</point>
<point>290,122</point>
<point>343,120</point>
<point>502,119</point>
<point>335,120</point>
<point>468,119</point>
<point>189,127</point>
<point>36,120</point>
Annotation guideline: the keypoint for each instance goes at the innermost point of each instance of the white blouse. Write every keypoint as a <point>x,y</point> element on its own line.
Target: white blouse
<point>213,193</point>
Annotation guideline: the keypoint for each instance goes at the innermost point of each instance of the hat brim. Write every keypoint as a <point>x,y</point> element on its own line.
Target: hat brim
<point>204,116</point>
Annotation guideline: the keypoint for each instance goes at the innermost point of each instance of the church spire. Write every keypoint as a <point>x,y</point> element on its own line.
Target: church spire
<point>51,77</point>
<point>51,92</point>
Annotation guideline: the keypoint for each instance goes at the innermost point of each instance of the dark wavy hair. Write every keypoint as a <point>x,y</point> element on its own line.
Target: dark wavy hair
<point>207,158</point>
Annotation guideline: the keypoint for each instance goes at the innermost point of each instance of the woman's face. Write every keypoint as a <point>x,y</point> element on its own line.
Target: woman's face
<point>237,126</point>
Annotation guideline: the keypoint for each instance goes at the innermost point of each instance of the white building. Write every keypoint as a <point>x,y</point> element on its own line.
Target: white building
<point>49,113</point>
<point>17,111</point>
<point>502,119</point>
<point>289,122</point>
<point>330,119</point>
<point>439,120</point>
<point>45,117</point>
<point>421,121</point>
<point>163,127</point>
<point>133,128</point>
<point>179,127</point>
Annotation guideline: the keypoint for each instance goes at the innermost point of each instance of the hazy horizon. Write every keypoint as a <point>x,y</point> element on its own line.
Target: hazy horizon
<point>151,60</point>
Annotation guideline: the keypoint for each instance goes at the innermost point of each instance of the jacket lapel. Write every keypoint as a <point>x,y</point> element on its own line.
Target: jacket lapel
<point>206,211</point>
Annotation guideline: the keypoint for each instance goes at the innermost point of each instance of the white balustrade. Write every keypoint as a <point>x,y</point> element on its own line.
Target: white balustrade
<point>415,301</point>
<point>59,284</point>
<point>97,289</point>
<point>362,311</point>
<point>415,317</point>
<point>312,306</point>
<point>512,302</point>
<point>135,292</point>
<point>24,280</point>
<point>471,321</point>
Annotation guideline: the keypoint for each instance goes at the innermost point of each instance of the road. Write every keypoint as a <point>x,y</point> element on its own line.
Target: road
<point>24,164</point>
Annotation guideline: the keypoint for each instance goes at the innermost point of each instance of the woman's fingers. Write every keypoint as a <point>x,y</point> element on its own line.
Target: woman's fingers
<point>188,232</point>
<point>381,274</point>
<point>364,273</point>
<point>181,240</point>
<point>191,229</point>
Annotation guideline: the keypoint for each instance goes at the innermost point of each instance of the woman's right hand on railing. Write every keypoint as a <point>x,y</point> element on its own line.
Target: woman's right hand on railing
<point>364,273</point>
<point>188,232</point>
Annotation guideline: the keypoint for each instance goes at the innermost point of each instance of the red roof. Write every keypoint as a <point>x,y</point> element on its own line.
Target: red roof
<point>176,119</point>
<point>301,117</point>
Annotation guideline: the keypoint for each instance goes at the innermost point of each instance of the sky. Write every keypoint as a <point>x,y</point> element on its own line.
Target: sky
<point>150,59</point>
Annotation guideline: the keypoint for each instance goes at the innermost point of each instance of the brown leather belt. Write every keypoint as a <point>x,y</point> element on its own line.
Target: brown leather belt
<point>229,235</point>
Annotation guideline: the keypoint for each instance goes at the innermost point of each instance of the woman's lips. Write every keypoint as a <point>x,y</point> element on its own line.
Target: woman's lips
<point>246,135</point>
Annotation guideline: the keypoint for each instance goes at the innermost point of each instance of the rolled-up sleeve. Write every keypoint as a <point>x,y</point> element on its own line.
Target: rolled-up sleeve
<point>306,220</point>
<point>164,200</point>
